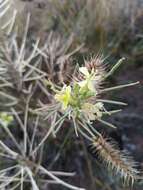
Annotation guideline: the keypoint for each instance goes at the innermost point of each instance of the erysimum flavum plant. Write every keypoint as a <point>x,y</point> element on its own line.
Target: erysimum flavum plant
<point>40,89</point>
<point>80,103</point>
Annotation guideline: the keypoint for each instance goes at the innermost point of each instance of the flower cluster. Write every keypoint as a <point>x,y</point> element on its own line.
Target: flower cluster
<point>5,119</point>
<point>79,97</point>
<point>32,71</point>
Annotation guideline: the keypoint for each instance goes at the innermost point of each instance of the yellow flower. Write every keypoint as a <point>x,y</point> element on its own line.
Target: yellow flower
<point>98,107</point>
<point>88,110</point>
<point>92,111</point>
<point>84,71</point>
<point>89,79</point>
<point>64,96</point>
<point>5,118</point>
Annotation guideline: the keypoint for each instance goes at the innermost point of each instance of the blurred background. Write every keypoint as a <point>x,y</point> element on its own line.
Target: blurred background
<point>113,28</point>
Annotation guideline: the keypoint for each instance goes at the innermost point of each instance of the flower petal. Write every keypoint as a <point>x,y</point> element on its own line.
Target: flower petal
<point>82,83</point>
<point>84,71</point>
<point>91,86</point>
<point>64,96</point>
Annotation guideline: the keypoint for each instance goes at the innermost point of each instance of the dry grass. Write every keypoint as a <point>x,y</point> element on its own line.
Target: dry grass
<point>117,161</point>
<point>33,70</point>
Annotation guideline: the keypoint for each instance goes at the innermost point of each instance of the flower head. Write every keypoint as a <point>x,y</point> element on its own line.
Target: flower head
<point>88,82</point>
<point>78,95</point>
<point>5,118</point>
<point>92,111</point>
<point>64,96</point>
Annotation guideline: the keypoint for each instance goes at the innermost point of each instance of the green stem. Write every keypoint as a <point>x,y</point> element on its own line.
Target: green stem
<point>119,87</point>
<point>115,67</point>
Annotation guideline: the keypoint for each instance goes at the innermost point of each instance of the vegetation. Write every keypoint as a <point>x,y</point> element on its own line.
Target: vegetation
<point>48,91</point>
